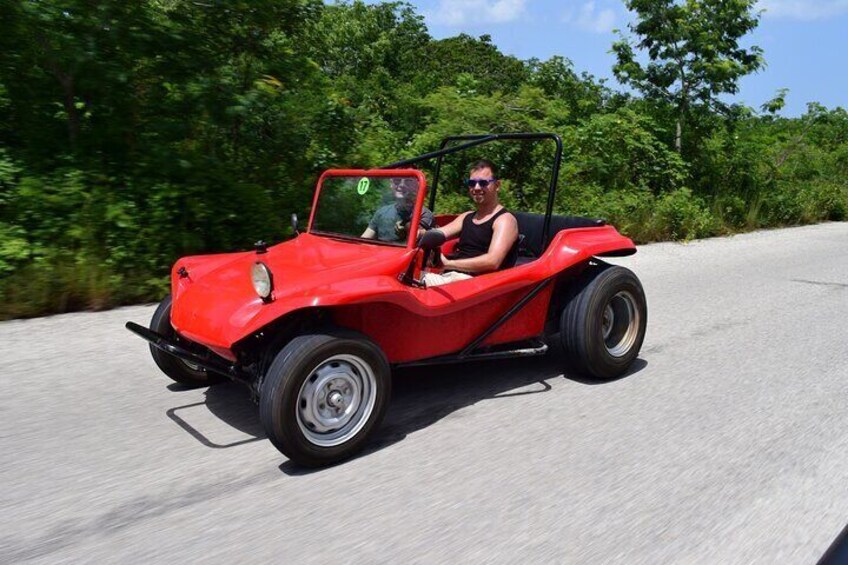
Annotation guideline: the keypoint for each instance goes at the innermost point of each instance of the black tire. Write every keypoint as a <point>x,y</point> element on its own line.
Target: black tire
<point>602,326</point>
<point>299,420</point>
<point>172,366</point>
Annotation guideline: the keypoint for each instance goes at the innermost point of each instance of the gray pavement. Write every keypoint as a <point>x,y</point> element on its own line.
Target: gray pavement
<point>727,444</point>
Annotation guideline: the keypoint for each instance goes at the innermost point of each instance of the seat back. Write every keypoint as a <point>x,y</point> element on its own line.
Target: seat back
<point>531,225</point>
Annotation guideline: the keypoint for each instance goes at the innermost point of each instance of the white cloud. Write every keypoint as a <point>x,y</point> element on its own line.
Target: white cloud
<point>803,9</point>
<point>461,12</point>
<point>588,17</point>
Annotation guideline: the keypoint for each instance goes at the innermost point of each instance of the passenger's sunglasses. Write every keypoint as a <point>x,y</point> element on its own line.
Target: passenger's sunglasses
<point>484,183</point>
<point>404,184</point>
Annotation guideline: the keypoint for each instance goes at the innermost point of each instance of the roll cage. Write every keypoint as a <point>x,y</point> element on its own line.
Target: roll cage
<point>474,140</point>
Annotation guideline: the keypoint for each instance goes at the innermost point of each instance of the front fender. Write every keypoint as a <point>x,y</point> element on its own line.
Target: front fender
<point>219,315</point>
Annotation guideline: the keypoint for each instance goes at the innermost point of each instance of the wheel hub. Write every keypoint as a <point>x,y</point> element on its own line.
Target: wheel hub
<point>620,324</point>
<point>609,317</point>
<point>336,400</point>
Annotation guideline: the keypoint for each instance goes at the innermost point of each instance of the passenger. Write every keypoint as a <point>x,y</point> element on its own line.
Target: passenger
<point>488,237</point>
<point>391,222</point>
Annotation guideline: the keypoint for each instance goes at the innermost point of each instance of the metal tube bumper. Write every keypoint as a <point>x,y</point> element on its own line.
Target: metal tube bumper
<point>204,360</point>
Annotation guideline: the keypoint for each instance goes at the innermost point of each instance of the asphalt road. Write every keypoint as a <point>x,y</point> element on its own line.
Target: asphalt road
<point>727,444</point>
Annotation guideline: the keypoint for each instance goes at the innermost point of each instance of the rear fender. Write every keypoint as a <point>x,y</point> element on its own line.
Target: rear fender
<point>570,253</point>
<point>573,246</point>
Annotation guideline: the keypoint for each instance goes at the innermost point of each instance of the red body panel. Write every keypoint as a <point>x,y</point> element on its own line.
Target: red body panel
<point>407,336</point>
<point>220,307</point>
<point>217,306</point>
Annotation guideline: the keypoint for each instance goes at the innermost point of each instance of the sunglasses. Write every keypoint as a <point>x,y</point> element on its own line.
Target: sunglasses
<point>484,183</point>
<point>404,184</point>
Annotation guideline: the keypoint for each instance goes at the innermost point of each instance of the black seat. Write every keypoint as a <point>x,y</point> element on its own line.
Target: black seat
<point>531,225</point>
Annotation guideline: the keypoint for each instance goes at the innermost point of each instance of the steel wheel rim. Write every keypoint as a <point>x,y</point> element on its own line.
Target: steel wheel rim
<point>620,324</point>
<point>188,364</point>
<point>335,400</point>
<point>192,366</point>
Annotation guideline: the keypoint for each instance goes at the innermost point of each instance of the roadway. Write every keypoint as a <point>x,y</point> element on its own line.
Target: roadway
<point>726,444</point>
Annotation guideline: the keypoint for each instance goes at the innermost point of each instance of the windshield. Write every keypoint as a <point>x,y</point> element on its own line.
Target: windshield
<point>366,207</point>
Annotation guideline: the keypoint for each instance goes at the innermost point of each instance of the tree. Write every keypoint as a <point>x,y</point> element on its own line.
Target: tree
<point>358,39</point>
<point>556,77</point>
<point>445,59</point>
<point>693,53</point>
<point>371,54</point>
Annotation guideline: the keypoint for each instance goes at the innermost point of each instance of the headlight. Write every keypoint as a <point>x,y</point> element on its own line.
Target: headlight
<point>263,282</point>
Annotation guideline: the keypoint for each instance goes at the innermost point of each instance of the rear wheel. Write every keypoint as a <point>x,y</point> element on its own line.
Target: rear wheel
<point>323,396</point>
<point>181,371</point>
<point>602,326</point>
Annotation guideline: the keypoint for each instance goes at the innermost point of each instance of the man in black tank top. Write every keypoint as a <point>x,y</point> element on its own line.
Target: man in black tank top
<point>488,237</point>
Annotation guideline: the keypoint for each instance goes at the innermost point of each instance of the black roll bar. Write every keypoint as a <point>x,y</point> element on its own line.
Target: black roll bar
<point>473,140</point>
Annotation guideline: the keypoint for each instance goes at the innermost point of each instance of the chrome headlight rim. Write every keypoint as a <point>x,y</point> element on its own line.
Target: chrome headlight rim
<point>262,279</point>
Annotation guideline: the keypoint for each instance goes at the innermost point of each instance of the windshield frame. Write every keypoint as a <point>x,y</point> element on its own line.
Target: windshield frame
<point>381,173</point>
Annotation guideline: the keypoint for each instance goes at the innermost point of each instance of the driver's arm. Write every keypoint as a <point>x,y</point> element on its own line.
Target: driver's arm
<point>369,233</point>
<point>453,229</point>
<point>504,236</point>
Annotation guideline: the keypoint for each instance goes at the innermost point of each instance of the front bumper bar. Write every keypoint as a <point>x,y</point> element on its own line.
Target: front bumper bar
<point>202,358</point>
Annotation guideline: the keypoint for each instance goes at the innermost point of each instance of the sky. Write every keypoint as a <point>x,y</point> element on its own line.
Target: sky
<point>804,41</point>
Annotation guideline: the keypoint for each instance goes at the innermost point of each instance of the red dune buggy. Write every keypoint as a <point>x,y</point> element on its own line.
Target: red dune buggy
<point>315,325</point>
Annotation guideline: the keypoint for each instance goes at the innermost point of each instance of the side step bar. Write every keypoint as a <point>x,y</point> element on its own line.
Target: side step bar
<point>204,360</point>
<point>532,350</point>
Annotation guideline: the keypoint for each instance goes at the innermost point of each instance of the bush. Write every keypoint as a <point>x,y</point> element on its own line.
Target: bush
<point>823,200</point>
<point>680,215</point>
<point>622,151</point>
<point>57,284</point>
<point>14,249</point>
<point>730,211</point>
<point>792,203</point>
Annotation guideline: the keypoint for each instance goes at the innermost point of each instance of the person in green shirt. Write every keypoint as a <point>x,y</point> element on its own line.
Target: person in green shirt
<point>391,222</point>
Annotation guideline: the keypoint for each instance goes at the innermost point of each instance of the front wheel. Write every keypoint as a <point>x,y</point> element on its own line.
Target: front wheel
<point>602,326</point>
<point>180,371</point>
<point>323,395</point>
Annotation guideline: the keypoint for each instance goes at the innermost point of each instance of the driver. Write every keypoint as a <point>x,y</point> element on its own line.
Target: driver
<point>391,222</point>
<point>488,237</point>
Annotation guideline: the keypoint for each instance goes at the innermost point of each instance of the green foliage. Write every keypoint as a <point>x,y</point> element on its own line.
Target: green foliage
<point>525,167</point>
<point>629,211</point>
<point>134,133</point>
<point>680,215</point>
<point>445,59</point>
<point>805,202</point>
<point>621,151</point>
<point>558,80</point>
<point>14,250</point>
<point>777,103</point>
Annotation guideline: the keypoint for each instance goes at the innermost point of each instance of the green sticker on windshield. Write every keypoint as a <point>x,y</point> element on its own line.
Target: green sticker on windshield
<point>363,186</point>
